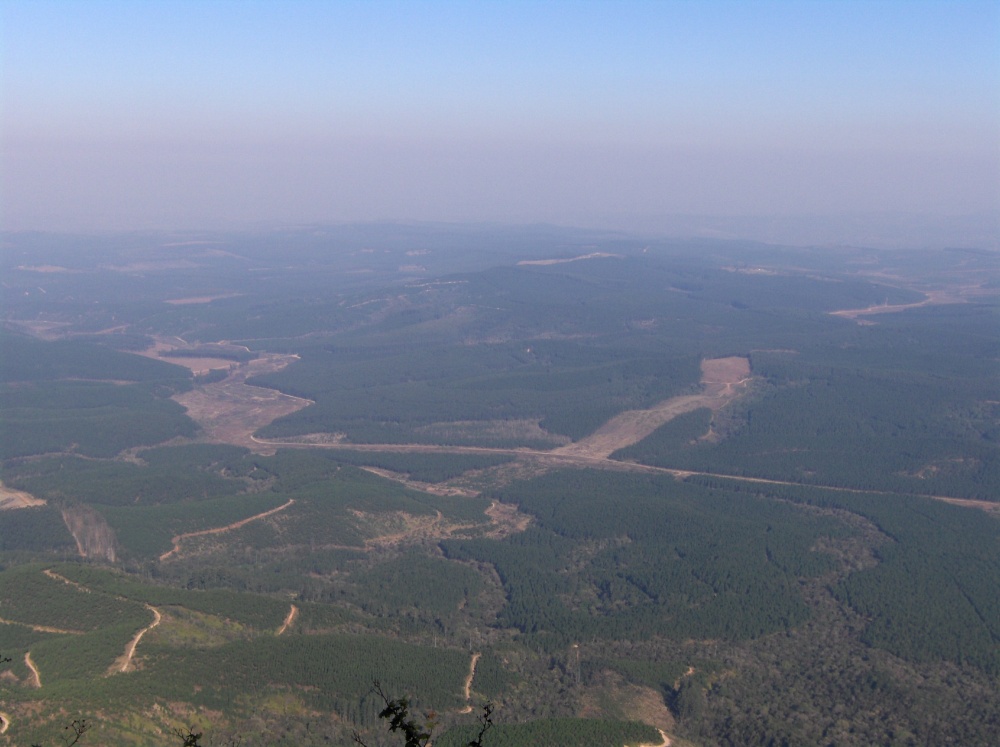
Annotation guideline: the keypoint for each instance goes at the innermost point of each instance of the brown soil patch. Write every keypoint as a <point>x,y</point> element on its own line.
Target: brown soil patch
<point>592,255</point>
<point>937,297</point>
<point>880,309</point>
<point>11,499</point>
<point>612,697</point>
<point>289,619</point>
<point>230,411</point>
<point>93,536</point>
<point>45,268</point>
<point>196,365</point>
<point>507,520</point>
<point>988,506</point>
<point>724,372</point>
<point>721,382</point>
<point>199,299</point>
<point>398,528</point>
<point>690,671</point>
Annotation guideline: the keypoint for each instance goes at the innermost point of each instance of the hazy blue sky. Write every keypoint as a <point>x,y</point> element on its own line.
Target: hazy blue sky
<point>143,113</point>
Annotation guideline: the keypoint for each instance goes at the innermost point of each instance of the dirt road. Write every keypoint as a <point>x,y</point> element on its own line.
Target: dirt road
<point>218,530</point>
<point>292,614</point>
<point>130,648</point>
<point>722,381</point>
<point>665,743</point>
<point>53,575</point>
<point>36,677</point>
<point>932,298</point>
<point>41,628</point>
<point>467,689</point>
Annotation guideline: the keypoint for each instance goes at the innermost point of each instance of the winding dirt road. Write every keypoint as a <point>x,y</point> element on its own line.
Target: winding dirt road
<point>130,648</point>
<point>292,614</point>
<point>218,530</point>
<point>36,677</point>
<point>53,575</point>
<point>665,743</point>
<point>467,688</point>
<point>4,723</point>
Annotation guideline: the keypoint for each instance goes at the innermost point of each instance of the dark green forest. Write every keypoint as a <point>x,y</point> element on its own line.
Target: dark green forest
<point>805,554</point>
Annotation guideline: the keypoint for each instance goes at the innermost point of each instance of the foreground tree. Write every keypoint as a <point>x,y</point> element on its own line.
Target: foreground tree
<point>415,733</point>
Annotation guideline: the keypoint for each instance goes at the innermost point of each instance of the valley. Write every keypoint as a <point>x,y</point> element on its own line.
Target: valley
<point>628,492</point>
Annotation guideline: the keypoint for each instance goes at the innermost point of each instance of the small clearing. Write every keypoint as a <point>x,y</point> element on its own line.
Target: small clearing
<point>199,299</point>
<point>592,255</point>
<point>411,528</point>
<point>721,382</point>
<point>196,365</point>
<point>506,519</point>
<point>991,507</point>
<point>11,499</point>
<point>292,614</point>
<point>93,535</point>
<point>219,530</point>
<point>688,673</point>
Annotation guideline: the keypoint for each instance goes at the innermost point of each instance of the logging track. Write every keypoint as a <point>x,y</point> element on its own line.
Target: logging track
<point>218,530</point>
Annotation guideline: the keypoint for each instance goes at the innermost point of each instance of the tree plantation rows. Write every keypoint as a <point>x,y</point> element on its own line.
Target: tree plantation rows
<point>797,582</point>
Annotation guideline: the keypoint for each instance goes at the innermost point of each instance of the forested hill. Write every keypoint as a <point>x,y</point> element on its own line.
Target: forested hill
<point>740,493</point>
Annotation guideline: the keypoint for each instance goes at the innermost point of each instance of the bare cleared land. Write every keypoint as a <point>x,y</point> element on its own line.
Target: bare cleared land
<point>197,366</point>
<point>199,299</point>
<point>721,382</point>
<point>956,293</point>
<point>592,255</point>
<point>11,499</point>
<point>231,410</point>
